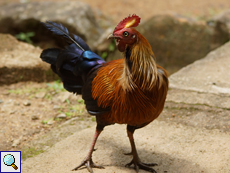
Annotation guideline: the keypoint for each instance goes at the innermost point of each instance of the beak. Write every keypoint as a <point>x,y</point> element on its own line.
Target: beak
<point>111,36</point>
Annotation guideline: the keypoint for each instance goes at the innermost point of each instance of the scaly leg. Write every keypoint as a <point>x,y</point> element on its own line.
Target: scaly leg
<point>88,162</point>
<point>136,160</point>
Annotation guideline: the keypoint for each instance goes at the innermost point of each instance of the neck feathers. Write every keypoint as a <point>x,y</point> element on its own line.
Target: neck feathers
<point>140,69</point>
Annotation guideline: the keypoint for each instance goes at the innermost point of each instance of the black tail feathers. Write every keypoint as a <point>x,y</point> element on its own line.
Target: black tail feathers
<point>59,29</point>
<point>72,63</point>
<point>50,55</point>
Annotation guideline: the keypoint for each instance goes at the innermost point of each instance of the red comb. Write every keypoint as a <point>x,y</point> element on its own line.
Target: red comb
<point>130,21</point>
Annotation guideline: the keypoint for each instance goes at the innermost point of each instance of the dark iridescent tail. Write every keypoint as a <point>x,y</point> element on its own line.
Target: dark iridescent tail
<point>72,63</point>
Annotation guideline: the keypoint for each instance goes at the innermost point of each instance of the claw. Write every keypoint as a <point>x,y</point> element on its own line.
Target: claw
<point>136,167</point>
<point>140,165</point>
<point>127,154</point>
<point>89,165</point>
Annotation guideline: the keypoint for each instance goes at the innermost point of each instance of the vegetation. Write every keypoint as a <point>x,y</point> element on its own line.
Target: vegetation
<point>30,152</point>
<point>26,37</point>
<point>111,48</point>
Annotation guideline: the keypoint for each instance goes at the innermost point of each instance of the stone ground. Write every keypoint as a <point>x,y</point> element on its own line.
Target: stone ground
<point>174,147</point>
<point>187,137</point>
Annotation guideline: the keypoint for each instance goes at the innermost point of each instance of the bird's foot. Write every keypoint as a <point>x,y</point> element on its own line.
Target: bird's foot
<point>140,165</point>
<point>89,165</point>
<point>128,153</point>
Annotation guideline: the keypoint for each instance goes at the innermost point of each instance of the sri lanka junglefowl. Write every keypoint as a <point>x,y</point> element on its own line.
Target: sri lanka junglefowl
<point>128,91</point>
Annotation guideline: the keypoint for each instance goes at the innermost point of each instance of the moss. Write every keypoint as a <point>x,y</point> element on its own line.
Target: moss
<point>30,152</point>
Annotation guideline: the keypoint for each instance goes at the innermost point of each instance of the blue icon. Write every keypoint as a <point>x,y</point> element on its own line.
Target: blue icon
<point>9,160</point>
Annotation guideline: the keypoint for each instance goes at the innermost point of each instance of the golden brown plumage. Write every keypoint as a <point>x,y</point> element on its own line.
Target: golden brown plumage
<point>142,90</point>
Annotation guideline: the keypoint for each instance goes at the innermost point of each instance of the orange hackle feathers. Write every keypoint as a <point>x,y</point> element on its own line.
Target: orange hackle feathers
<point>134,107</point>
<point>130,21</point>
<point>135,94</point>
<point>144,67</point>
<point>135,97</point>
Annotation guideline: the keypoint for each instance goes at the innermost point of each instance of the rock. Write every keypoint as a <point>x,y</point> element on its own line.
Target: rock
<point>56,107</point>
<point>103,43</point>
<point>62,115</point>
<point>40,95</point>
<point>50,122</point>
<point>178,41</point>
<point>16,142</point>
<point>74,97</point>
<point>21,62</point>
<point>35,117</point>
<point>221,23</point>
<point>12,111</point>
<point>78,17</point>
<point>27,103</point>
<point>205,81</point>
<point>9,101</point>
<point>63,96</point>
<point>17,104</point>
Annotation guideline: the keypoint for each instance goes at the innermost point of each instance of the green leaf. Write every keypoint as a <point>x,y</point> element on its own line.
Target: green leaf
<point>25,36</point>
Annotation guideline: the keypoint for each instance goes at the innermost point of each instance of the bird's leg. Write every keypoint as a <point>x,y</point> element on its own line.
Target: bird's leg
<point>88,162</point>
<point>136,160</point>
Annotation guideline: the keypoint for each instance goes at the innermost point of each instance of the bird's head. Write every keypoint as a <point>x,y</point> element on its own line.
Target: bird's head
<point>124,33</point>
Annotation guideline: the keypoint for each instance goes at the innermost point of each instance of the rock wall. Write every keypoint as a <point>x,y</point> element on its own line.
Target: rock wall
<point>20,62</point>
<point>78,17</point>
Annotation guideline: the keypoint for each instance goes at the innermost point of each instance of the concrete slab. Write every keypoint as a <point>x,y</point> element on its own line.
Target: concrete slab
<point>176,149</point>
<point>210,74</point>
<point>206,81</point>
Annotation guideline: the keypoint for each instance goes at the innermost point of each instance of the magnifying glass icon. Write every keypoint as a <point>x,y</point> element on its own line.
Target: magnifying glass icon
<point>9,160</point>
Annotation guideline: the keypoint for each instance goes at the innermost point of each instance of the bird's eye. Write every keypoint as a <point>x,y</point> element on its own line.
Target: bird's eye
<point>125,33</point>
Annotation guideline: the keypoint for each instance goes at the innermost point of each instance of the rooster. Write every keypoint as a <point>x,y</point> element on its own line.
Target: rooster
<point>128,91</point>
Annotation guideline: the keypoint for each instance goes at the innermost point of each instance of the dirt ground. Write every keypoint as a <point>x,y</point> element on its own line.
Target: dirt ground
<point>30,109</point>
